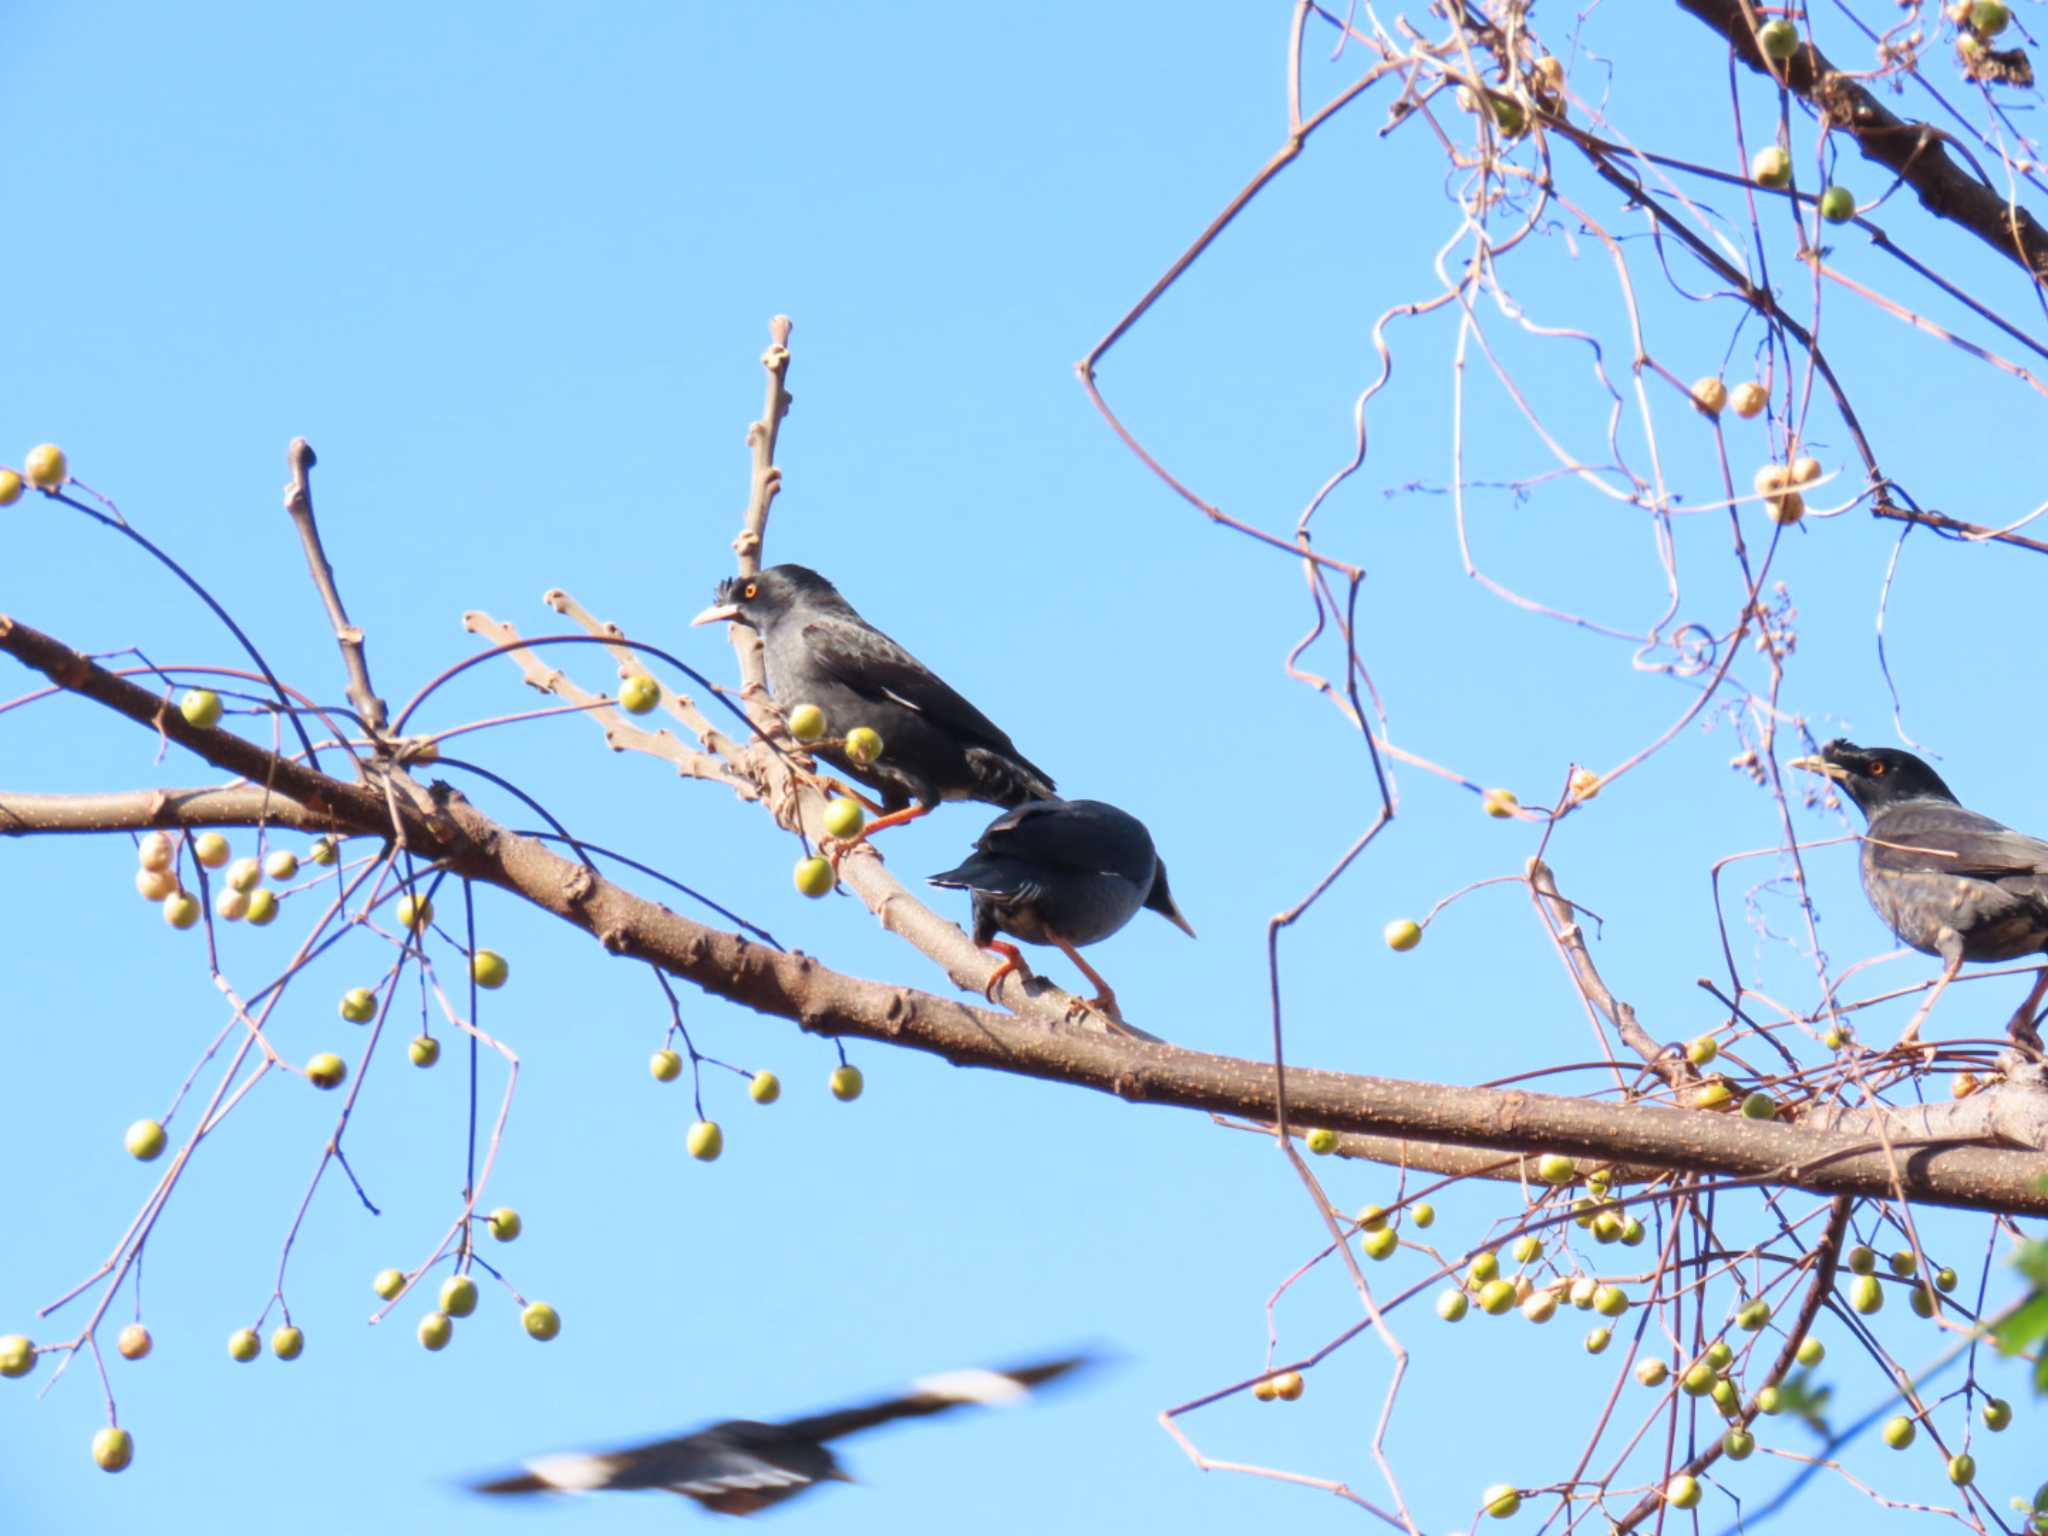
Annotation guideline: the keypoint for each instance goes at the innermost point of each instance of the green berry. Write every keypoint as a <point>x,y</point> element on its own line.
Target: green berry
<point>1838,205</point>
<point>18,1355</point>
<point>1738,1443</point>
<point>1702,1050</point>
<point>389,1283</point>
<point>666,1066</point>
<point>1754,1316</point>
<point>1607,1226</point>
<point>1371,1218</point>
<point>1778,38</point>
<point>436,1330</point>
<point>243,1345</point>
<point>1769,1400</point>
<point>181,909</point>
<point>705,1141</point>
<point>1866,1295</point>
<point>863,745</point>
<point>359,1005</point>
<point>145,1140</point>
<point>243,875</point>
<point>1527,1249</point>
<point>639,693</point>
<point>1771,167</point>
<point>505,1224</point>
<point>1759,1106</point>
<point>1903,1263</point>
<point>458,1295</point>
<point>1495,1297</point>
<point>1921,1299</point>
<point>1711,1095</point>
<point>1726,1397</point>
<point>1945,1279</point>
<point>1861,1260</point>
<point>1997,1411</point>
<point>1403,933</point>
<point>490,969</point>
<point>414,911</point>
<point>287,1343</point>
<point>201,709</point>
<point>1899,1432</point>
<point>1555,1168</point>
<point>1501,1500</point>
<point>1699,1379</point>
<point>1683,1491</point>
<point>1719,1355</point>
<point>843,818</point>
<point>1381,1244</point>
<point>325,850</point>
<point>425,1050</point>
<point>1422,1214</point>
<point>846,1084</point>
<point>262,908</point>
<point>1597,1340</point>
<point>1450,1305</point>
<point>1811,1351</point>
<point>1988,18</point>
<point>46,467</point>
<point>814,876</point>
<point>1485,1265</point>
<point>765,1088</point>
<point>1962,1469</point>
<point>1610,1301</point>
<point>113,1449</point>
<point>1632,1232</point>
<point>807,722</point>
<point>540,1321</point>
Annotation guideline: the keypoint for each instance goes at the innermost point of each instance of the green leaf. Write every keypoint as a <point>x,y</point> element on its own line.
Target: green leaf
<point>2025,1326</point>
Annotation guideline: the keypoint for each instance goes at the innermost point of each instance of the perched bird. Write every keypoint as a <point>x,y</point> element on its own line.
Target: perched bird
<point>1066,873</point>
<point>741,1466</point>
<point>935,745</point>
<point>1946,880</point>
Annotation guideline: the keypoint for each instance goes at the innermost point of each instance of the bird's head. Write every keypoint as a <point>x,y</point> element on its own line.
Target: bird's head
<point>759,600</point>
<point>1875,777</point>
<point>1160,900</point>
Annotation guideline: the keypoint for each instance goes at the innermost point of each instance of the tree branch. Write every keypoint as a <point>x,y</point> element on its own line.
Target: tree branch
<point>1924,1163</point>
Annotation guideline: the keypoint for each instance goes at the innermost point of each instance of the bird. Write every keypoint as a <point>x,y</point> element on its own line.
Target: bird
<point>742,1466</point>
<point>1948,881</point>
<point>820,651</point>
<point>1065,873</point>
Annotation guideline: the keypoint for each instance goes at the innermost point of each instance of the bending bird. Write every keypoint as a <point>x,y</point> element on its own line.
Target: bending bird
<point>741,1466</point>
<point>1948,881</point>
<point>935,745</point>
<point>1065,873</point>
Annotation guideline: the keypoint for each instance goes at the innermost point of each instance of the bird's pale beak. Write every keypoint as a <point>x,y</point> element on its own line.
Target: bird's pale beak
<point>717,613</point>
<point>1182,923</point>
<point>1819,765</point>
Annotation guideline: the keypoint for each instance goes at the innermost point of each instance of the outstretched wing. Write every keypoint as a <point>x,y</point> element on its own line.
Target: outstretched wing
<point>935,1394</point>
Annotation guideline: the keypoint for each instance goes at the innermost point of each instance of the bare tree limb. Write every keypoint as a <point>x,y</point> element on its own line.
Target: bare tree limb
<point>298,501</point>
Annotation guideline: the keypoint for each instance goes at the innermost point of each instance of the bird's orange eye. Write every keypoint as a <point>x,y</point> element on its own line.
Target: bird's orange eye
<point>1877,770</point>
<point>752,588</point>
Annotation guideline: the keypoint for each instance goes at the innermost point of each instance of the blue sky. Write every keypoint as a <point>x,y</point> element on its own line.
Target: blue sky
<point>509,269</point>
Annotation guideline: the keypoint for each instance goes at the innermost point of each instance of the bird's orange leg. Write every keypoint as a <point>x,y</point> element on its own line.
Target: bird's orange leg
<point>872,807</point>
<point>1013,960</point>
<point>897,818</point>
<point>2021,1027</point>
<point>1104,1000</point>
<point>1911,1036</point>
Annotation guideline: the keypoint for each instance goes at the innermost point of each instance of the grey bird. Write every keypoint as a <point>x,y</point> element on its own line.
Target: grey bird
<point>1065,873</point>
<point>741,1466</point>
<point>935,745</point>
<point>1946,880</point>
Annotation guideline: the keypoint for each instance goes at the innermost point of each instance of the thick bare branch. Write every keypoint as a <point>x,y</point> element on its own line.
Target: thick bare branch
<point>1927,1166</point>
<point>298,501</point>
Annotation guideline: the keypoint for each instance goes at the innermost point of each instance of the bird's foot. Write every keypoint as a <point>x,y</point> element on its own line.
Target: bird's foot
<point>1103,1003</point>
<point>895,819</point>
<point>833,849</point>
<point>2025,1036</point>
<point>836,787</point>
<point>1013,961</point>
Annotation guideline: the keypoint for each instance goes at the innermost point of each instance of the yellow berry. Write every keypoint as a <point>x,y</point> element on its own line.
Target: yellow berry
<point>846,1083</point>
<point>666,1066</point>
<point>843,817</point>
<point>505,1224</point>
<point>1288,1386</point>
<point>18,1356</point>
<point>436,1330</point>
<point>1451,1305</point>
<point>243,1345</point>
<point>1322,1141</point>
<point>113,1449</point>
<point>46,467</point>
<point>10,487</point>
<point>201,709</point>
<point>1710,395</point>
<point>458,1295</point>
<point>705,1141</point>
<point>326,1070</point>
<point>1748,399</point>
<point>863,745</point>
<point>211,849</point>
<point>281,865</point>
<point>490,969</point>
<point>807,722</point>
<point>1403,934</point>
<point>181,909</point>
<point>1381,1244</point>
<point>1500,803</point>
<point>814,876</point>
<point>1683,1491</point>
<point>425,1050</point>
<point>414,911</point>
<point>134,1342</point>
<point>359,1005</point>
<point>765,1088</point>
<point>287,1343</point>
<point>145,1140</point>
<point>639,693</point>
<point>389,1283</point>
<point>1501,1500</point>
<point>540,1321</point>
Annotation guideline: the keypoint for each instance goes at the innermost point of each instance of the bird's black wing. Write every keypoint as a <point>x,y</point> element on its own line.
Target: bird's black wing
<point>1936,836</point>
<point>737,1462</point>
<point>1085,836</point>
<point>934,1394</point>
<point>866,661</point>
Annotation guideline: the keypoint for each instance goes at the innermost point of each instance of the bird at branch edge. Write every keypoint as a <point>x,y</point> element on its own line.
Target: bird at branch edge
<point>820,651</point>
<point>1064,873</point>
<point>1946,880</point>
<point>742,1466</point>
